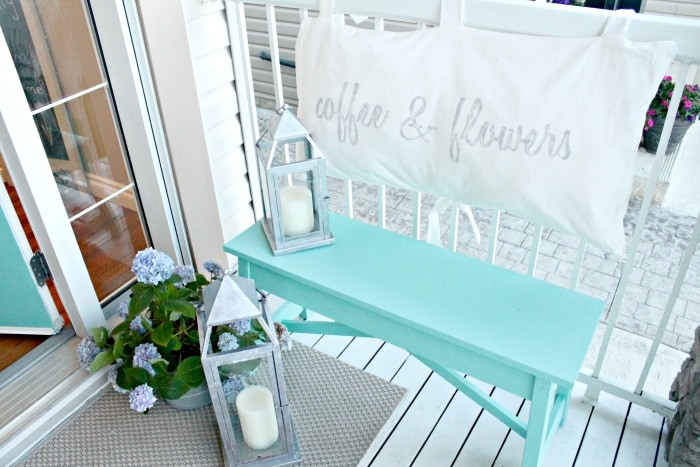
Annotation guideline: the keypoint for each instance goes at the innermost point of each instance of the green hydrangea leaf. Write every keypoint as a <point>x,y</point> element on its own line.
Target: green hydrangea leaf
<point>129,378</point>
<point>100,335</point>
<point>120,328</point>
<point>174,279</point>
<point>183,307</point>
<point>118,346</point>
<point>163,334</point>
<point>190,371</point>
<point>104,358</point>
<point>141,297</point>
<point>173,389</point>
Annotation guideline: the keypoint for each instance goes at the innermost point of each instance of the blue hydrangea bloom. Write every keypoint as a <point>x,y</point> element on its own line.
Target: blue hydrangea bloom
<point>123,310</point>
<point>187,274</point>
<point>214,268</point>
<point>137,325</point>
<point>232,386</point>
<point>241,326</point>
<point>141,398</point>
<point>87,351</point>
<point>227,341</point>
<point>151,266</point>
<point>144,354</point>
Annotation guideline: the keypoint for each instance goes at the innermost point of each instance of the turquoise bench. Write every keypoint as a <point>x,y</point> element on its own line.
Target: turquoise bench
<point>457,314</point>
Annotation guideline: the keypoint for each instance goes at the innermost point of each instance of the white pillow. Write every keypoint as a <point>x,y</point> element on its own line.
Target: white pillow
<point>546,128</point>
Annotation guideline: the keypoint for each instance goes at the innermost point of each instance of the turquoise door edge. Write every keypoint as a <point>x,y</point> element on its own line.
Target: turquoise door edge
<point>24,308</point>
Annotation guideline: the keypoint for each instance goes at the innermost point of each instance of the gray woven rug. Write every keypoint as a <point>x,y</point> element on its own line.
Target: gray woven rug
<point>336,410</point>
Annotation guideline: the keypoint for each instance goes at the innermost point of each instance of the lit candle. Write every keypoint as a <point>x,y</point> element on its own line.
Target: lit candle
<point>258,417</point>
<point>297,210</point>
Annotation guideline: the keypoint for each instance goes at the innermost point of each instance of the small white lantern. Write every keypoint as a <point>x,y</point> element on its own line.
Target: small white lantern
<point>246,383</point>
<point>293,183</point>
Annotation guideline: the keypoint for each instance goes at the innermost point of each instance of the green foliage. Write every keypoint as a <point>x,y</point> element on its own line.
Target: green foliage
<point>100,335</point>
<point>104,358</point>
<point>688,107</point>
<point>168,320</point>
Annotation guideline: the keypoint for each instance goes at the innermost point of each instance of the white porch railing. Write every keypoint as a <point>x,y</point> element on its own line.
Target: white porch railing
<point>262,37</point>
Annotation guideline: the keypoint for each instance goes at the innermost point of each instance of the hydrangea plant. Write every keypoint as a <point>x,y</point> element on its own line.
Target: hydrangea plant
<point>155,351</point>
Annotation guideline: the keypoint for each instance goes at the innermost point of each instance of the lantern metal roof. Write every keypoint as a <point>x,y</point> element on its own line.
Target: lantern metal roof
<point>231,304</point>
<point>286,126</point>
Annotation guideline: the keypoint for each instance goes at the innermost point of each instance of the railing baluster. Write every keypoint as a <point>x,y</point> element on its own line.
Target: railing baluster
<point>454,226</point>
<point>576,273</point>
<point>349,211</point>
<point>381,206</point>
<point>416,214</point>
<point>682,270</point>
<point>275,55</point>
<point>534,250</point>
<point>493,236</point>
<point>379,24</point>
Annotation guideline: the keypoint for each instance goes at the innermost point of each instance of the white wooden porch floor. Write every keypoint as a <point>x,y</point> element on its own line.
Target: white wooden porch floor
<point>438,426</point>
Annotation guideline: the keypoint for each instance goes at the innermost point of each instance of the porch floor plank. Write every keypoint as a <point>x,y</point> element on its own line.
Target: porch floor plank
<point>361,351</point>
<point>418,422</point>
<point>512,451</point>
<point>413,375</point>
<point>387,362</point>
<point>449,435</point>
<point>489,434</point>
<point>638,446</point>
<point>600,442</point>
<point>566,442</point>
<point>439,426</point>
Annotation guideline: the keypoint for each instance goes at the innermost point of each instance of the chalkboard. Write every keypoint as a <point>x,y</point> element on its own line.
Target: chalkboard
<point>19,41</point>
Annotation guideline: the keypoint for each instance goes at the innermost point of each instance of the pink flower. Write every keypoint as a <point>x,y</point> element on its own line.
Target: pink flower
<point>650,123</point>
<point>651,112</point>
<point>668,78</point>
<point>688,104</point>
<point>664,103</point>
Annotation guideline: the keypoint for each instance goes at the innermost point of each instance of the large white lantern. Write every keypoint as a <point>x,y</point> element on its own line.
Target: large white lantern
<point>293,183</point>
<point>246,383</point>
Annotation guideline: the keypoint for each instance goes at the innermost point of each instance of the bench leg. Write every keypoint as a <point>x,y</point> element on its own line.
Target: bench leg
<point>538,425</point>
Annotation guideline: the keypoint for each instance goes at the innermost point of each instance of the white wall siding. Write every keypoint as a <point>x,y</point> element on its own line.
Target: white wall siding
<point>191,59</point>
<point>213,68</point>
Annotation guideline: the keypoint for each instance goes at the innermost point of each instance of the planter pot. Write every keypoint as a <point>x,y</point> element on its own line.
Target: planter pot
<point>192,399</point>
<point>653,135</point>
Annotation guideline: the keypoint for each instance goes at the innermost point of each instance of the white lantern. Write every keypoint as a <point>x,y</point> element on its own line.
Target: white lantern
<point>246,383</point>
<point>293,183</point>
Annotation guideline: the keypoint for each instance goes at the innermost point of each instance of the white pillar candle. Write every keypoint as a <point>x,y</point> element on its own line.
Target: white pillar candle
<point>297,210</point>
<point>256,411</point>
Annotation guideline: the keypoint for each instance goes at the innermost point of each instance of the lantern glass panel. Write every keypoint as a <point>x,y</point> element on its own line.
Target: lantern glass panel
<point>298,201</point>
<point>252,405</point>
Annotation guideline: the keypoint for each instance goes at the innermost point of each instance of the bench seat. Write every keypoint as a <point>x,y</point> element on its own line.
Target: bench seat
<point>457,314</point>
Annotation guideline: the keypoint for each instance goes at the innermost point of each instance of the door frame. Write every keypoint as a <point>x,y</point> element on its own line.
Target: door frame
<point>29,168</point>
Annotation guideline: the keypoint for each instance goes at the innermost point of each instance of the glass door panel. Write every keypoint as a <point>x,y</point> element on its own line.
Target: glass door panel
<point>53,48</point>
<point>60,66</point>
